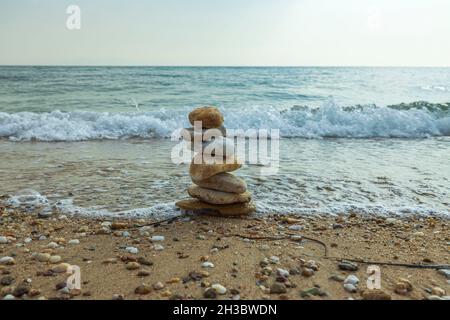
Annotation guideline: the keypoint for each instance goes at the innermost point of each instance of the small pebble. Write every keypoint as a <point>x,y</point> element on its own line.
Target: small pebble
<point>352,279</point>
<point>158,247</point>
<point>438,292</point>
<point>445,273</point>
<point>142,289</point>
<point>337,278</point>
<point>207,264</point>
<point>7,261</point>
<point>52,245</point>
<point>210,293</point>
<point>158,238</point>
<point>274,259</point>
<point>219,289</point>
<point>132,250</point>
<point>61,268</point>
<point>74,241</point>
<point>348,266</point>
<point>350,288</point>
<point>158,286</point>
<point>277,288</point>
<point>55,259</point>
<point>42,257</point>
<point>283,272</point>
<point>307,272</point>
<point>132,266</point>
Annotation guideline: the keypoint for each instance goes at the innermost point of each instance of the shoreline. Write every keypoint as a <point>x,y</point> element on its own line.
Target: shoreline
<point>204,257</point>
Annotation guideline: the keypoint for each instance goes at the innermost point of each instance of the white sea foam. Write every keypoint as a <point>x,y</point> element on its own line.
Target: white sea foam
<point>329,120</point>
<point>32,199</point>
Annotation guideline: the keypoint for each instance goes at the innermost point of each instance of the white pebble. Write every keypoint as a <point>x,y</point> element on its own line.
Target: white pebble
<point>295,227</point>
<point>55,259</point>
<point>27,240</point>
<point>445,273</point>
<point>352,279</point>
<point>3,240</point>
<point>158,238</point>
<point>52,245</point>
<point>74,241</point>
<point>283,272</point>
<point>125,234</point>
<point>9,297</point>
<point>42,238</point>
<point>274,259</point>
<point>158,247</point>
<point>220,289</point>
<point>132,250</point>
<point>207,264</point>
<point>7,260</point>
<point>350,288</point>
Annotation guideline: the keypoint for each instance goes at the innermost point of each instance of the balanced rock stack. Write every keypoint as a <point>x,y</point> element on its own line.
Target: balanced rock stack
<point>215,190</point>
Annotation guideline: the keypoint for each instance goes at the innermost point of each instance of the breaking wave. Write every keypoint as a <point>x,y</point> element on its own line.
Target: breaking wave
<point>413,120</point>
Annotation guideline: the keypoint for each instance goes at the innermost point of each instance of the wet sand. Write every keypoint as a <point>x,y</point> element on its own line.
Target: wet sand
<point>242,255</point>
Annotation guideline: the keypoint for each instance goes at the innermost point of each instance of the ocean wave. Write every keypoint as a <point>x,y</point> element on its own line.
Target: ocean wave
<point>413,120</point>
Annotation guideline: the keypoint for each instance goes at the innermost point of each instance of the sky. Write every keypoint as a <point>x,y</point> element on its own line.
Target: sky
<point>227,32</point>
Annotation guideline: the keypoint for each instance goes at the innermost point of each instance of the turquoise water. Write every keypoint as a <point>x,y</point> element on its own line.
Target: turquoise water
<point>45,89</point>
<point>85,103</point>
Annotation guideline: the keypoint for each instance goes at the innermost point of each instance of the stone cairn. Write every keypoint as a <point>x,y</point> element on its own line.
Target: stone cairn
<point>215,190</point>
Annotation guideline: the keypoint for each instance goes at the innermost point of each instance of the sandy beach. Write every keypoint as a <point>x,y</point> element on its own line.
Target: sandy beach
<point>201,257</point>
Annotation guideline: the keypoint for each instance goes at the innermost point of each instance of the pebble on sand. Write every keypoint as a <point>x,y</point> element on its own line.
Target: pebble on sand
<point>207,264</point>
<point>74,241</point>
<point>403,287</point>
<point>41,257</point>
<point>445,273</point>
<point>143,289</point>
<point>55,259</point>
<point>352,279</point>
<point>61,268</point>
<point>350,288</point>
<point>220,289</point>
<point>7,261</point>
<point>375,294</point>
<point>348,266</point>
<point>277,288</point>
<point>133,250</point>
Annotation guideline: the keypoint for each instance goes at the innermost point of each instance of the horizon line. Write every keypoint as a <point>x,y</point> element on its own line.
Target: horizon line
<point>223,66</point>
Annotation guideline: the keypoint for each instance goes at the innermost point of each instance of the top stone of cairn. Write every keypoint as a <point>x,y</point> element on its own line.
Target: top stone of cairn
<point>209,116</point>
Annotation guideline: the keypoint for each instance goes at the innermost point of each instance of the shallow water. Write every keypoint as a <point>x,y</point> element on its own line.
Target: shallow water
<point>93,140</point>
<point>376,176</point>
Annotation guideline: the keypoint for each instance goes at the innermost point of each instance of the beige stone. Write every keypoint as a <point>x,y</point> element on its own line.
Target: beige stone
<point>189,134</point>
<point>218,197</point>
<point>209,116</point>
<point>218,147</point>
<point>205,167</point>
<point>230,210</point>
<point>225,182</point>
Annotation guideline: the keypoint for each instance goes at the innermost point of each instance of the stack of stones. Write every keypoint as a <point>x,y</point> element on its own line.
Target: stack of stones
<point>215,190</point>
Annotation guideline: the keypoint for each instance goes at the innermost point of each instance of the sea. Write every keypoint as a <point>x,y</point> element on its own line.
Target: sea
<point>96,141</point>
